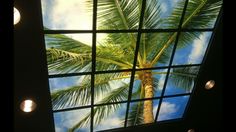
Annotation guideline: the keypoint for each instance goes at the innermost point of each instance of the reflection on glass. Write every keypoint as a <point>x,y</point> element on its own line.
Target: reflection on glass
<point>68,53</point>
<point>118,14</point>
<point>158,79</point>
<point>109,116</point>
<point>111,87</point>
<point>136,115</point>
<point>181,80</point>
<point>201,13</point>
<point>67,92</point>
<point>61,14</point>
<point>191,48</point>
<point>155,49</point>
<point>172,108</point>
<point>160,14</point>
<point>65,121</point>
<point>115,52</point>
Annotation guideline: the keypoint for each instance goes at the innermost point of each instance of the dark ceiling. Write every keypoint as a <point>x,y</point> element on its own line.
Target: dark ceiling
<point>31,81</point>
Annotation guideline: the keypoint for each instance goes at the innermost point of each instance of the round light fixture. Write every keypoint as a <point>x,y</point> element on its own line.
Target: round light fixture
<point>16,16</point>
<point>27,105</point>
<point>191,130</point>
<point>210,84</point>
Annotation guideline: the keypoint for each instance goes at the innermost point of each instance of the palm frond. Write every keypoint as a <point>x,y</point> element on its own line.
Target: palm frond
<point>118,14</point>
<point>81,94</point>
<point>66,55</point>
<point>152,15</point>
<point>184,77</point>
<point>201,13</point>
<point>152,43</point>
<point>135,114</point>
<point>102,112</point>
<point>117,47</point>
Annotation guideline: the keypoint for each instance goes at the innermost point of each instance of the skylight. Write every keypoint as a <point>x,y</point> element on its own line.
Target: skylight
<point>121,63</point>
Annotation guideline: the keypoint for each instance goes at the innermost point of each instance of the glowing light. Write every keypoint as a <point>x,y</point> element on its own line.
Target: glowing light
<point>210,84</point>
<point>16,16</point>
<point>27,105</point>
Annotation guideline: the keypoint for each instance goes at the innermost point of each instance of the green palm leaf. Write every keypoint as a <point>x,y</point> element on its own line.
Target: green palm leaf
<point>204,15</point>
<point>135,114</point>
<point>118,14</point>
<point>184,77</point>
<point>102,112</point>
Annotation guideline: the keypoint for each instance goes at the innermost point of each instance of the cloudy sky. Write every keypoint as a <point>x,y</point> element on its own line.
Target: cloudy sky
<point>71,15</point>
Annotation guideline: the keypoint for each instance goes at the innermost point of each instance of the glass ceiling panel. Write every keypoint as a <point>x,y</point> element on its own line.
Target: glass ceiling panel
<point>115,51</point>
<point>111,87</point>
<point>181,80</point>
<point>136,112</point>
<point>103,120</point>
<point>155,49</point>
<point>67,91</point>
<point>163,14</point>
<point>77,70</point>
<point>172,108</point>
<point>61,14</point>
<point>191,47</point>
<point>201,13</point>
<point>118,14</point>
<point>65,121</point>
<point>68,53</point>
<point>158,77</point>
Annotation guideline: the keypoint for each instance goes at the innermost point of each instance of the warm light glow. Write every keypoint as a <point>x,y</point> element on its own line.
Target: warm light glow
<point>210,84</point>
<point>27,105</point>
<point>16,16</point>
<point>191,130</point>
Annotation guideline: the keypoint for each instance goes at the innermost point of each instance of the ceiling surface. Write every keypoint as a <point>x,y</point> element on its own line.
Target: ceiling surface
<point>31,81</point>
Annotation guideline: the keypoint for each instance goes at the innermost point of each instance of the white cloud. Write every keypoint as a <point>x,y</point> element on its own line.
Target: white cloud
<point>73,15</point>
<point>69,119</point>
<point>166,110</point>
<point>109,123</point>
<point>155,110</point>
<point>164,7</point>
<point>58,129</point>
<point>161,81</point>
<point>198,49</point>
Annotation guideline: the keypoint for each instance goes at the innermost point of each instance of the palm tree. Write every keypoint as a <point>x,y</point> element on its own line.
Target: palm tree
<point>66,55</point>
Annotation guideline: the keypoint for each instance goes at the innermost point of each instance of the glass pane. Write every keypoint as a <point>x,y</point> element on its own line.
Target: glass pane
<point>111,87</point>
<point>201,14</point>
<point>119,14</point>
<point>191,48</point>
<point>172,108</point>
<point>67,92</point>
<point>68,53</point>
<point>158,79</point>
<point>115,51</point>
<point>64,121</point>
<point>160,14</point>
<point>136,116</point>
<point>61,14</point>
<point>181,80</point>
<point>109,116</point>
<point>155,49</point>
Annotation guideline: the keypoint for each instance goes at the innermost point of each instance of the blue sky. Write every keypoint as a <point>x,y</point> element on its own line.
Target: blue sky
<point>172,108</point>
<point>61,14</point>
<point>194,52</point>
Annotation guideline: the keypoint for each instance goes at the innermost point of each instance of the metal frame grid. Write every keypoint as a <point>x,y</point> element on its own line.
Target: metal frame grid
<point>139,31</point>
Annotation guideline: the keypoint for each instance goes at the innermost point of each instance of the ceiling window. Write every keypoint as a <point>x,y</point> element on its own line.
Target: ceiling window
<point>121,63</point>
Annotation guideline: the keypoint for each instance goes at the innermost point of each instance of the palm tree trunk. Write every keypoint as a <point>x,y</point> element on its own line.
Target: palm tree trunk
<point>147,83</point>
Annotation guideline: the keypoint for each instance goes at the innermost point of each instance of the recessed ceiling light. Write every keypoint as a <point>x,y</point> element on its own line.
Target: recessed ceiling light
<point>16,16</point>
<point>210,84</point>
<point>191,130</point>
<point>28,105</point>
